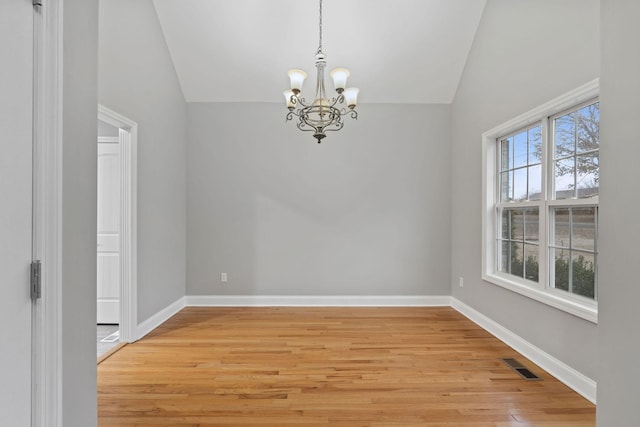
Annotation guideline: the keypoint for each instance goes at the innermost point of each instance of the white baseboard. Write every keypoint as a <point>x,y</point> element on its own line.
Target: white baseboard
<point>317,301</point>
<point>160,317</point>
<point>580,383</point>
<point>287,301</point>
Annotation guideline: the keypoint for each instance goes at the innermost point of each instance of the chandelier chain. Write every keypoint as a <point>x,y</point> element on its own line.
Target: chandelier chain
<point>320,29</point>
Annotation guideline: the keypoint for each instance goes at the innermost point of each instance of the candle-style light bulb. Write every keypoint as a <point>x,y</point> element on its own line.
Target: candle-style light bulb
<point>297,79</point>
<point>351,97</point>
<point>339,76</point>
<point>289,99</point>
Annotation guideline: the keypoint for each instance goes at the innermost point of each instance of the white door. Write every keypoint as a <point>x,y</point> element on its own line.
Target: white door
<point>108,253</point>
<point>16,81</point>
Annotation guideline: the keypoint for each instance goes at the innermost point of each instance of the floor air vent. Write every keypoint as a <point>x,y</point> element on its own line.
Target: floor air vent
<point>521,370</point>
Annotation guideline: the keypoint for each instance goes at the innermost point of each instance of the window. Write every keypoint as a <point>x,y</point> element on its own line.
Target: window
<point>540,203</point>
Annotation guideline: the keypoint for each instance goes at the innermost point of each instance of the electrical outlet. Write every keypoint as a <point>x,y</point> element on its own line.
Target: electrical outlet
<point>461,282</point>
<point>223,277</point>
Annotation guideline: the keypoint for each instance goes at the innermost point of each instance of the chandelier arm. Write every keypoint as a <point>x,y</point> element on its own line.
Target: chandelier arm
<point>332,114</point>
<point>303,127</point>
<point>352,113</point>
<point>289,116</point>
<point>336,100</point>
<point>339,124</point>
<point>319,116</point>
<point>301,101</point>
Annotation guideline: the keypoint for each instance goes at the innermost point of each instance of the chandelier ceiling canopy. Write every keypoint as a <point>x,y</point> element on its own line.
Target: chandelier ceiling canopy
<point>322,114</point>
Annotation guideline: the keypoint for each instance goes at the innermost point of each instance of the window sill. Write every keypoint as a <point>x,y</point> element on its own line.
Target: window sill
<point>586,310</point>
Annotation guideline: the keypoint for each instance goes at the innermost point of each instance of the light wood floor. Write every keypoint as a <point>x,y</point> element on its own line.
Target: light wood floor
<point>327,366</point>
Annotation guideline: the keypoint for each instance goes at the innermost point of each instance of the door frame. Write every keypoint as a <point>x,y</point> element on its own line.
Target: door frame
<point>128,141</point>
<point>46,401</point>
<point>47,350</point>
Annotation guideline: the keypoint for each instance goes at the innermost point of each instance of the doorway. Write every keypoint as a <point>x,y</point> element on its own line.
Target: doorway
<point>108,239</point>
<point>116,252</point>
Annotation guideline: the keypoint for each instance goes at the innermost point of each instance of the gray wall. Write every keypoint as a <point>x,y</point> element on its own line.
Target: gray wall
<point>136,78</point>
<point>78,296</point>
<point>105,129</point>
<point>619,376</point>
<point>518,43</point>
<point>364,213</point>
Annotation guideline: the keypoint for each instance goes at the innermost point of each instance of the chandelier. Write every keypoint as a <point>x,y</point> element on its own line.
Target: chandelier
<point>322,114</point>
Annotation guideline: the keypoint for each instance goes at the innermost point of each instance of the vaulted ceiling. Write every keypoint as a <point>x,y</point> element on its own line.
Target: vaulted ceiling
<point>398,51</point>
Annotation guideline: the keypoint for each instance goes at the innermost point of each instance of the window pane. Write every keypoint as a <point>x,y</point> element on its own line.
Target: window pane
<point>504,256</point>
<point>584,230</point>
<point>562,229</point>
<point>568,241</point>
<point>517,224</point>
<point>535,182</point>
<point>531,262</point>
<point>506,186</point>
<point>561,268</point>
<point>535,145</point>
<point>520,184</point>
<point>506,159</point>
<point>588,128</point>
<point>505,224</point>
<point>564,178</point>
<point>517,265</point>
<point>583,272</point>
<point>532,225</point>
<point>587,180</point>
<point>564,136</point>
<point>520,149</point>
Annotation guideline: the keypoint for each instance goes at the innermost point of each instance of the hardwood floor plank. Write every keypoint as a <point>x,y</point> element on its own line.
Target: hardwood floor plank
<point>374,367</point>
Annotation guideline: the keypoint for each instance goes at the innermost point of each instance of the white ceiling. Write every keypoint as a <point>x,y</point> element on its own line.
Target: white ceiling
<point>398,51</point>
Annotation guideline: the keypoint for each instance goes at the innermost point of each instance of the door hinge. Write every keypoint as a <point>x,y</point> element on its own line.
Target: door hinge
<point>37,2</point>
<point>36,280</point>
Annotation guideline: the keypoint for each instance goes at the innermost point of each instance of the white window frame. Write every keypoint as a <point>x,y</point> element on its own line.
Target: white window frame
<point>582,307</point>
